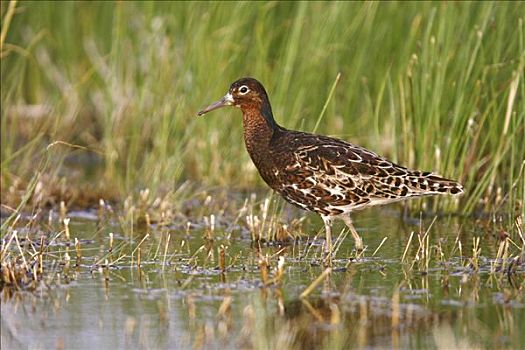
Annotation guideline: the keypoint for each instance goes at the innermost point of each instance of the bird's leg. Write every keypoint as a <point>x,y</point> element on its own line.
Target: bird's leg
<point>358,240</point>
<point>328,246</point>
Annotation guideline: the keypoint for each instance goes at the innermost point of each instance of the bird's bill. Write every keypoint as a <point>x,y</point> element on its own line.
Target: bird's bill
<point>227,100</point>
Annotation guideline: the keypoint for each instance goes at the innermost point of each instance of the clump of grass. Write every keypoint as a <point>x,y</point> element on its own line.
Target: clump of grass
<point>263,219</point>
<point>16,271</point>
<point>22,262</point>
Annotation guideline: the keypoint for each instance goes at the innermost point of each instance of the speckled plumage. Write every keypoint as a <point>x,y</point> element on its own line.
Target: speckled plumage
<point>333,177</point>
<point>326,175</point>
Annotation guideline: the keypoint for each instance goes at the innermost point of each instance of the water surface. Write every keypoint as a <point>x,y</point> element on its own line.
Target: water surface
<point>179,298</point>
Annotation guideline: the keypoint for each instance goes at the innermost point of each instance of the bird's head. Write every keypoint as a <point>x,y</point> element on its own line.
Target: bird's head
<point>245,93</point>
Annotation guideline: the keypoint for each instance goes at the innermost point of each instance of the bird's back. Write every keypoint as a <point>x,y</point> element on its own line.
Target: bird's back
<point>333,177</point>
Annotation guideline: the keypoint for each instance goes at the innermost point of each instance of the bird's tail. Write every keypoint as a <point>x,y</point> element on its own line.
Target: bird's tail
<point>428,183</point>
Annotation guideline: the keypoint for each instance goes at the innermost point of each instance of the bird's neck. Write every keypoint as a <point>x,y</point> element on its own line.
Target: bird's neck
<point>259,128</point>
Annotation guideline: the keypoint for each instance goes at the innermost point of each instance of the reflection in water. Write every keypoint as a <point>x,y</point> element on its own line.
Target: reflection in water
<point>174,288</point>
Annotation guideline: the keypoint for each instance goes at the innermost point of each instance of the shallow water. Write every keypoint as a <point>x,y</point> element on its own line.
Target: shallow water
<point>179,298</point>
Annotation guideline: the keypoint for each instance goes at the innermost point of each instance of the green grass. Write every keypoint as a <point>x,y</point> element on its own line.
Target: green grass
<point>436,86</point>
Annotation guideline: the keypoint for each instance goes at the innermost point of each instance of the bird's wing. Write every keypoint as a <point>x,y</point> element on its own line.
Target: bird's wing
<point>340,176</point>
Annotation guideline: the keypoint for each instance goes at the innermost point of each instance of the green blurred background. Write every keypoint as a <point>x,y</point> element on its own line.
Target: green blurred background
<point>433,85</point>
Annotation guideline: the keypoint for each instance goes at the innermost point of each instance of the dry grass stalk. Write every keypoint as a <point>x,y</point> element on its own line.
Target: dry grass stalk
<point>110,242</point>
<point>263,266</point>
<point>66,228</point>
<point>476,251</point>
<point>63,210</point>
<point>41,256</point>
<point>379,246</point>
<point>222,258</point>
<point>166,245</point>
<point>407,246</point>
<point>78,251</point>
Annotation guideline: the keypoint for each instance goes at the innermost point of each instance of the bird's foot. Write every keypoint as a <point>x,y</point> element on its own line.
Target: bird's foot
<point>359,244</point>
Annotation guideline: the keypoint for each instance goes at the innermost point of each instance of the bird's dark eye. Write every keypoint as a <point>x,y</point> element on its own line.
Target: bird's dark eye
<point>244,90</point>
